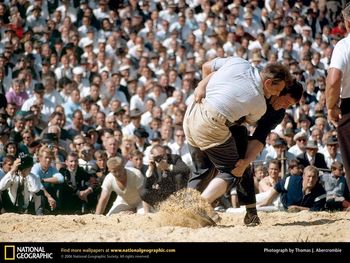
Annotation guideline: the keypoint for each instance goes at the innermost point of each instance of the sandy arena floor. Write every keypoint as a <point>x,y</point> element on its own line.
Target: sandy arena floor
<point>276,227</point>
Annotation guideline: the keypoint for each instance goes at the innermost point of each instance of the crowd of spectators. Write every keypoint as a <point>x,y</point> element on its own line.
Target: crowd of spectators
<point>84,81</point>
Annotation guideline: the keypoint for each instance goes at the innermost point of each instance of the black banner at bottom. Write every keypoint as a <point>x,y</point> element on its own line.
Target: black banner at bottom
<point>65,252</point>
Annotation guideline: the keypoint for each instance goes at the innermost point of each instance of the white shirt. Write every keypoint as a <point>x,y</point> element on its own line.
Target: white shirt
<point>11,181</point>
<point>235,89</point>
<point>295,150</point>
<point>183,151</point>
<point>329,160</point>
<point>137,102</point>
<point>340,60</point>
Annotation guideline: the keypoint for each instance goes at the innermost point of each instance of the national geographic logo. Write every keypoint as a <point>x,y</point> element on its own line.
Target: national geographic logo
<point>9,253</point>
<point>12,252</point>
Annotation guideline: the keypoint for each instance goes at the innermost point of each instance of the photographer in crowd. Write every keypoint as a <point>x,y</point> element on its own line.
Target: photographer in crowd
<point>166,174</point>
<point>25,191</point>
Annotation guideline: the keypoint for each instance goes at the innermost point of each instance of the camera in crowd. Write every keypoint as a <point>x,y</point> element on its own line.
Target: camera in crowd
<point>26,161</point>
<point>159,158</point>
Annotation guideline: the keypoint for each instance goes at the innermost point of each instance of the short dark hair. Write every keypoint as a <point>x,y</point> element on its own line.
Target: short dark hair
<point>295,89</point>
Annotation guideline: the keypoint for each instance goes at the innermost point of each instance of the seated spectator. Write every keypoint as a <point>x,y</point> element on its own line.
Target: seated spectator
<point>260,172</point>
<point>136,161</point>
<point>279,151</point>
<point>165,175</point>
<point>140,138</point>
<point>47,174</point>
<point>6,165</point>
<point>77,125</point>
<point>16,94</point>
<point>312,157</point>
<point>299,148</point>
<point>294,168</point>
<point>100,169</point>
<point>268,182</point>
<point>126,182</point>
<point>51,141</point>
<point>86,160</point>
<point>128,145</point>
<point>299,193</point>
<point>180,146</point>
<point>335,183</point>
<point>331,151</point>
<point>79,190</point>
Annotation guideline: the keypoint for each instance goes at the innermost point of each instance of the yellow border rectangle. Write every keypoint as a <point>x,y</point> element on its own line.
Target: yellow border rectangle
<point>5,249</point>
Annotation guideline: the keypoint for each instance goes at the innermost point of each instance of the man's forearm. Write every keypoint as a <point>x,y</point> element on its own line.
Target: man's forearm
<point>51,180</point>
<point>203,83</point>
<point>206,69</point>
<point>201,88</point>
<point>333,87</point>
<point>101,206</point>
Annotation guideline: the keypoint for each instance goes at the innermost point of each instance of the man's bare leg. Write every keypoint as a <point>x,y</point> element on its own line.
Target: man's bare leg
<point>216,188</point>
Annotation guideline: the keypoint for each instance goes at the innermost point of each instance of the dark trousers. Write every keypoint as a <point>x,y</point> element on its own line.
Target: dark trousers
<point>9,207</point>
<point>70,203</point>
<point>344,143</point>
<point>204,170</point>
<point>245,186</point>
<point>217,162</point>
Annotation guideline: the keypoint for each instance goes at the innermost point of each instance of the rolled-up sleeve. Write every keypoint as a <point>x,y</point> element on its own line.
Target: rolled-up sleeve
<point>6,181</point>
<point>59,177</point>
<point>34,183</point>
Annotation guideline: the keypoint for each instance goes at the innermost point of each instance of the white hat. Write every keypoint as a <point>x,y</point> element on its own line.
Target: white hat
<point>306,28</point>
<point>123,67</point>
<point>78,70</point>
<point>104,69</point>
<point>300,134</point>
<point>88,42</point>
<point>311,144</point>
<point>279,36</point>
<point>233,5</point>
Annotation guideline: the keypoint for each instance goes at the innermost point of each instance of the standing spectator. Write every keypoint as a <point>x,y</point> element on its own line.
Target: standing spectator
<point>77,127</point>
<point>48,107</point>
<point>17,94</point>
<point>338,85</point>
